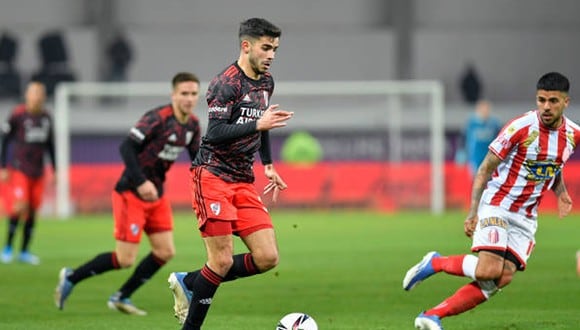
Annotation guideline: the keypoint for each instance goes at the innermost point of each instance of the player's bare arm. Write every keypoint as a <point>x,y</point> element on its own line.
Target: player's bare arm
<point>273,117</point>
<point>488,165</point>
<point>275,184</point>
<point>564,200</point>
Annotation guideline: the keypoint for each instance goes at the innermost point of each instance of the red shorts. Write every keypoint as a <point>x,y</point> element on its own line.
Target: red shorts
<point>133,216</point>
<point>25,189</point>
<point>226,208</point>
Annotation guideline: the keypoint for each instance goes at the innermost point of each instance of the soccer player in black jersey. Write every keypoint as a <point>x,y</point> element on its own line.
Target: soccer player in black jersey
<point>139,204</point>
<point>223,195</point>
<point>30,131</point>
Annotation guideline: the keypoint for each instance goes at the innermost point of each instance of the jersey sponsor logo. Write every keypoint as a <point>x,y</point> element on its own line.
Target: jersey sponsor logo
<point>137,133</point>
<point>493,221</point>
<point>218,109</point>
<point>170,152</point>
<point>249,114</point>
<point>33,133</point>
<point>215,208</point>
<point>541,170</point>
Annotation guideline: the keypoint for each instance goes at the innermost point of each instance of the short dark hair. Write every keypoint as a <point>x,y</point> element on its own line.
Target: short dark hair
<point>258,27</point>
<point>553,81</point>
<point>183,77</point>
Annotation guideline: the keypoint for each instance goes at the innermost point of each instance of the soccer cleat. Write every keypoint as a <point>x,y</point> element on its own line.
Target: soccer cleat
<point>63,288</point>
<point>28,258</point>
<point>420,271</point>
<point>6,256</point>
<point>181,295</point>
<point>428,322</point>
<point>124,305</point>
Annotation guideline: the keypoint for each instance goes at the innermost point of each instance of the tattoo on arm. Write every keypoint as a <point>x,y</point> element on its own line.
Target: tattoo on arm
<point>489,164</point>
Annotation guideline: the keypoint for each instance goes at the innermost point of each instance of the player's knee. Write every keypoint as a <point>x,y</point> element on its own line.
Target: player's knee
<point>505,279</point>
<point>488,273</point>
<point>125,260</point>
<point>266,260</point>
<point>165,254</point>
<point>221,265</point>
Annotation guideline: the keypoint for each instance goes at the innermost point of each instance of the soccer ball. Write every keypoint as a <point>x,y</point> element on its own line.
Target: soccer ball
<point>297,321</point>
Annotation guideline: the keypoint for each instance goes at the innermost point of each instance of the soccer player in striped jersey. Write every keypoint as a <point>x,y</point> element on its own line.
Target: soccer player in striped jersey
<point>223,195</point>
<point>524,161</point>
<point>30,131</point>
<point>139,205</point>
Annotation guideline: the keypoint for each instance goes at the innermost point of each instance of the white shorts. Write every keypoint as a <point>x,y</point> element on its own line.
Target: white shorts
<point>501,230</point>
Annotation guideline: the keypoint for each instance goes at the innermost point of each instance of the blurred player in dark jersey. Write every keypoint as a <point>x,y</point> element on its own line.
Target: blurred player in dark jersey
<point>223,195</point>
<point>30,129</point>
<point>139,205</point>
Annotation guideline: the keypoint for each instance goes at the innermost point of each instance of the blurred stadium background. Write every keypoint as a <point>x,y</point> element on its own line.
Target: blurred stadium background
<point>366,156</point>
<point>509,43</point>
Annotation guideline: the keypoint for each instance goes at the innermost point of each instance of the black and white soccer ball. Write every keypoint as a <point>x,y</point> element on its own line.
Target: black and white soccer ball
<point>297,321</point>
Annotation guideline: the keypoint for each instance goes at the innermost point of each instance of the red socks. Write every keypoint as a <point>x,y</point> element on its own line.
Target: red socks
<point>466,298</point>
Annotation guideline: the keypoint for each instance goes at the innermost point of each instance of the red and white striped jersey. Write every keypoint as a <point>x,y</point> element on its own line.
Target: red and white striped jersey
<point>532,155</point>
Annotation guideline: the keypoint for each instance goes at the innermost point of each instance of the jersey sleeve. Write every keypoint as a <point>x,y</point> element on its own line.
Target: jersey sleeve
<point>507,139</point>
<point>145,127</point>
<point>221,97</point>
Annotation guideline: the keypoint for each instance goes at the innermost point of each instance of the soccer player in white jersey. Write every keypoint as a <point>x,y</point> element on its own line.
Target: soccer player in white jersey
<point>524,161</point>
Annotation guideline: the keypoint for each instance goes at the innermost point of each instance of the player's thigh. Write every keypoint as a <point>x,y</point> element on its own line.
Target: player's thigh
<point>162,244</point>
<point>252,214</point>
<point>521,239</point>
<point>19,191</point>
<point>129,217</point>
<point>126,253</point>
<point>158,216</point>
<point>219,253</point>
<point>36,193</point>
<point>211,197</point>
<point>262,244</point>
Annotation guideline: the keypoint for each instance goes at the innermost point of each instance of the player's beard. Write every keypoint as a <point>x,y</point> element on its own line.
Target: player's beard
<point>255,64</point>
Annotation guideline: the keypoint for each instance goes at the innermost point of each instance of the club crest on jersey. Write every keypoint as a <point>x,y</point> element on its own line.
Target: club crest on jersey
<point>215,208</point>
<point>134,229</point>
<point>493,236</point>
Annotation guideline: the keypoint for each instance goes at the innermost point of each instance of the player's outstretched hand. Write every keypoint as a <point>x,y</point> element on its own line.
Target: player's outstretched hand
<point>276,184</point>
<point>273,117</point>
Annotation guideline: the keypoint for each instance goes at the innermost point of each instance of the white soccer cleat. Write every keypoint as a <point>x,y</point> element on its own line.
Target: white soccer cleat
<point>124,305</point>
<point>428,322</point>
<point>181,295</point>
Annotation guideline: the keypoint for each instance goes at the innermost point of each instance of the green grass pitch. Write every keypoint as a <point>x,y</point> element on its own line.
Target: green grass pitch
<point>342,267</point>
